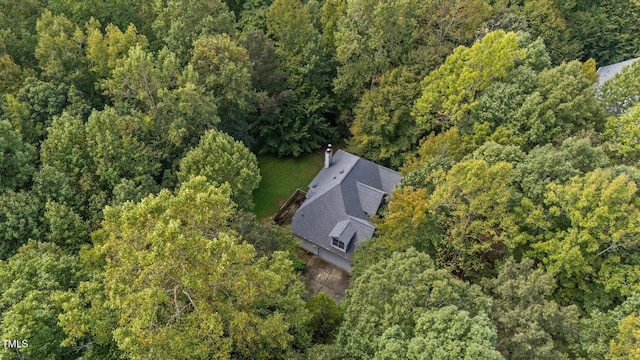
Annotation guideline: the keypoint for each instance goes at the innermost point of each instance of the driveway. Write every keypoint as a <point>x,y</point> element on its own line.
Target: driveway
<point>321,276</point>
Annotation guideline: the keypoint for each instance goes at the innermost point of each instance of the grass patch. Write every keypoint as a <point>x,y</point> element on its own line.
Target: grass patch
<point>281,177</point>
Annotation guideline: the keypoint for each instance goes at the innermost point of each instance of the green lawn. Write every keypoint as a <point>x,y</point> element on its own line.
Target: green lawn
<point>281,177</point>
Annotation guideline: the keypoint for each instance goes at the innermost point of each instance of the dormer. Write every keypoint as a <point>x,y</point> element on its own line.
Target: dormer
<point>342,234</point>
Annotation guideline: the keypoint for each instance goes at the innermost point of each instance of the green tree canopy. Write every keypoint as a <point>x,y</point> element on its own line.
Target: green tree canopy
<point>119,155</point>
<point>221,160</point>
<point>29,282</point>
<point>530,324</point>
<point>301,125</point>
<point>621,135</point>
<point>374,36</point>
<point>383,129</point>
<point>179,23</point>
<point>106,50</point>
<point>546,164</point>
<point>601,327</point>
<point>60,53</point>
<point>470,203</point>
<point>397,293</point>
<point>621,93</point>
<point>18,37</point>
<point>593,223</point>
<point>34,106</point>
<point>449,92</point>
<point>626,345</point>
<point>181,286</point>
<point>20,220</point>
<point>224,69</point>
<point>326,317</point>
<point>16,158</point>
<point>175,109</point>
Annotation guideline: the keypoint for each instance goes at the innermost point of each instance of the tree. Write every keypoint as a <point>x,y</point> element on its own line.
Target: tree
<point>591,236</point>
<point>547,20</point>
<point>600,328</point>
<point>604,29</point>
<point>221,160</point>
<point>175,109</point>
<point>16,158</point>
<point>32,109</point>
<point>501,101</point>
<point>405,225</point>
<point>539,107</point>
<point>449,92</point>
<point>301,125</point>
<point>224,69</point>
<point>621,93</point>
<point>470,203</point>
<point>18,30</point>
<point>67,175</point>
<point>530,325</point>
<point>12,75</point>
<point>451,333</point>
<point>494,153</point>
<point>137,81</point>
<point>179,23</point>
<point>254,15</point>
<point>517,97</point>
<point>65,227</point>
<point>118,155</point>
<point>332,13</point>
<point>20,220</point>
<point>621,135</point>
<point>265,237</point>
<point>583,155</point>
<point>60,53</point>
<point>182,286</point>
<point>625,345</point>
<point>117,13</point>
<point>545,164</point>
<point>373,37</point>
<point>53,185</point>
<point>66,147</point>
<point>563,104</point>
<point>383,129</point>
<point>30,281</point>
<point>449,144</point>
<point>396,293</point>
<point>272,95</point>
<point>444,333</point>
<point>326,317</point>
<point>106,50</point>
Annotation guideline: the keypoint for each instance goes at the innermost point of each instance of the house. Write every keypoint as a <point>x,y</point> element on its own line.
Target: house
<point>608,72</point>
<point>337,212</point>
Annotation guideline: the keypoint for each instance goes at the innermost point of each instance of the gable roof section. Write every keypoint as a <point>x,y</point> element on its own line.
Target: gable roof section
<point>370,198</point>
<point>340,200</point>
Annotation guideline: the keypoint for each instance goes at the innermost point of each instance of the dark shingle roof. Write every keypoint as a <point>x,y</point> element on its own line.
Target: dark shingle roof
<point>339,201</point>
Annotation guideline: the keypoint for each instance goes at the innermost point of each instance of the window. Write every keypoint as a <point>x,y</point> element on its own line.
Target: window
<point>337,243</point>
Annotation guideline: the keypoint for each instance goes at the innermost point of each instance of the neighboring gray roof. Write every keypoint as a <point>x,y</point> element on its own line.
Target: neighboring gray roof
<point>340,199</point>
<point>607,73</point>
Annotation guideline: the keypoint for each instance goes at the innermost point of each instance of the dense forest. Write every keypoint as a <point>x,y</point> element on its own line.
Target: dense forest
<point>128,134</point>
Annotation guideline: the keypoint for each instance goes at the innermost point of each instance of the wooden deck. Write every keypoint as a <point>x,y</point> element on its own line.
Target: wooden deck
<point>286,212</point>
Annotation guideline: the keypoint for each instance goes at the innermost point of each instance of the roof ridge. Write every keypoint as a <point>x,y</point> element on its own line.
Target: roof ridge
<point>371,187</point>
